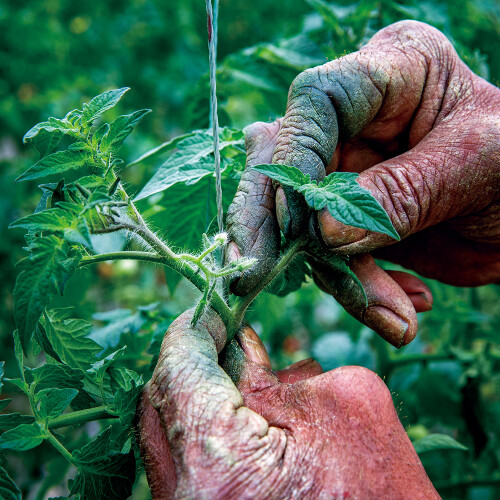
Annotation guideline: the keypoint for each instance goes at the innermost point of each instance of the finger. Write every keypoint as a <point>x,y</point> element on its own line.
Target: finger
<point>299,371</point>
<point>442,254</point>
<point>155,450</point>
<point>447,175</point>
<point>388,309</point>
<point>202,411</point>
<point>358,92</point>
<point>418,292</point>
<point>251,220</point>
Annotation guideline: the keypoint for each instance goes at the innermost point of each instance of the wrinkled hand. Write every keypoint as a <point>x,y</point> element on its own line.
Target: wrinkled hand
<point>423,131</point>
<point>295,434</point>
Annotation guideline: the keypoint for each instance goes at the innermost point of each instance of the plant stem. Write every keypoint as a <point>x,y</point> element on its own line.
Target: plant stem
<point>147,256</point>
<point>59,447</point>
<point>81,417</point>
<point>241,306</point>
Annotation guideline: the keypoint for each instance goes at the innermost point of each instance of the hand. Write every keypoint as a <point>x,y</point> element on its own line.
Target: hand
<point>299,433</point>
<point>423,131</point>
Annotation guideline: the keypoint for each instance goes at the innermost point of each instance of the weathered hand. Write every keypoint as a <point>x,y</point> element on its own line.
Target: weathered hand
<point>296,434</point>
<point>423,131</point>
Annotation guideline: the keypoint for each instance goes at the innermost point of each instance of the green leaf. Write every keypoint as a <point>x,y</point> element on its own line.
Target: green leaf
<point>119,130</point>
<point>161,149</point>
<point>192,162</point>
<point>19,383</point>
<point>56,163</point>
<point>42,274</point>
<point>18,353</point>
<point>118,322</point>
<point>12,420</point>
<point>339,192</point>
<point>98,369</point>
<point>106,468</point>
<point>23,437</point>
<point>54,401</point>
<point>291,279</point>
<point>4,403</point>
<point>433,442</point>
<point>352,205</point>
<point>173,278</point>
<point>289,176</point>
<point>101,103</point>
<point>72,226</point>
<point>8,489</point>
<point>68,337</point>
<point>2,363</point>
<point>125,400</point>
<point>46,142</point>
<point>195,204</point>
<point>53,125</point>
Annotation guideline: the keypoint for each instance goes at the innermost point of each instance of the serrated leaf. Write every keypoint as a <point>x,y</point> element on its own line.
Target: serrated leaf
<point>433,442</point>
<point>21,438</point>
<point>119,130</point>
<point>352,205</point>
<point>125,403</point>
<point>68,337</point>
<point>106,469</point>
<point>287,175</point>
<point>54,401</point>
<point>339,192</point>
<point>61,377</point>
<point>98,369</point>
<point>42,274</point>
<point>56,220</point>
<point>8,489</point>
<point>192,162</point>
<point>52,125</point>
<point>19,383</point>
<point>46,142</point>
<point>101,103</point>
<point>56,163</point>
<point>12,420</point>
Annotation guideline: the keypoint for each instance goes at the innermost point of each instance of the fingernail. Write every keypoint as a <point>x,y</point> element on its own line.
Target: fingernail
<point>420,302</point>
<point>253,347</point>
<point>335,233</point>
<point>282,211</point>
<point>387,324</point>
<point>232,252</point>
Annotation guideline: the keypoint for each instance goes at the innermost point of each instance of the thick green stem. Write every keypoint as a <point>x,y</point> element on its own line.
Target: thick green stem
<point>59,447</point>
<point>241,306</point>
<point>146,256</point>
<point>81,417</point>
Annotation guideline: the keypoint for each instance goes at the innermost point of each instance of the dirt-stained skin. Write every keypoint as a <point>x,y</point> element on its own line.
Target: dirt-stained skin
<point>423,131</point>
<point>295,434</point>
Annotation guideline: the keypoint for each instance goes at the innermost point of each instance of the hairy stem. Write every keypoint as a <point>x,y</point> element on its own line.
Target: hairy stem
<point>81,417</point>
<point>241,306</point>
<point>147,256</point>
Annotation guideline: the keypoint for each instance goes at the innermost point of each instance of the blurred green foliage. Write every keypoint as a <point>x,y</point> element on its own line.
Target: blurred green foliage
<point>56,53</point>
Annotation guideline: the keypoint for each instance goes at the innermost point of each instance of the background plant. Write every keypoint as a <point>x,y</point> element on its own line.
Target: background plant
<point>446,381</point>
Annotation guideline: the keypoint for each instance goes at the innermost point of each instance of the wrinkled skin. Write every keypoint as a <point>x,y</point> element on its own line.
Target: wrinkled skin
<point>297,434</point>
<point>423,131</point>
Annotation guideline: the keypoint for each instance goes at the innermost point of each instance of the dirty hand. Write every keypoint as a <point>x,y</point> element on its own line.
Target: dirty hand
<point>423,131</point>
<point>299,433</point>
